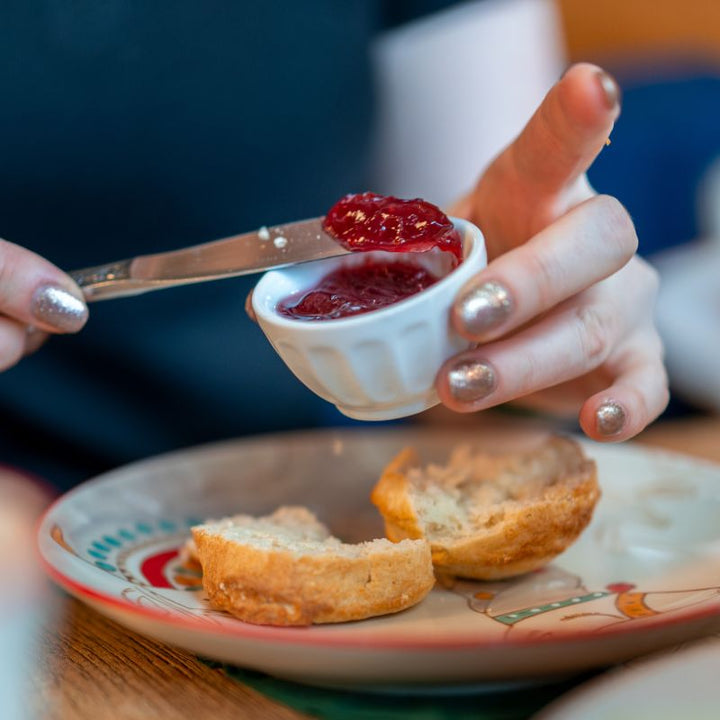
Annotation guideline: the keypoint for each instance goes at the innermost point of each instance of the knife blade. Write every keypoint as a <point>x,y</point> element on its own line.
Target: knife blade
<point>252,252</point>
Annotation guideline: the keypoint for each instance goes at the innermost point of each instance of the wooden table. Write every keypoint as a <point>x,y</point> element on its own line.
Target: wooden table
<point>90,668</point>
<point>697,436</point>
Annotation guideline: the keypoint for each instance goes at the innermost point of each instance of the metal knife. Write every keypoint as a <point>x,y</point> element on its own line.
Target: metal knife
<point>254,252</point>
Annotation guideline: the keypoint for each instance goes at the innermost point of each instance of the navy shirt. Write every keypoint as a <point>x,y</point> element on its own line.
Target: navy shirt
<point>131,127</point>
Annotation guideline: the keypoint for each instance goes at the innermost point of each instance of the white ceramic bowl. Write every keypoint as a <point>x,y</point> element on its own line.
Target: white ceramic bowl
<point>377,365</point>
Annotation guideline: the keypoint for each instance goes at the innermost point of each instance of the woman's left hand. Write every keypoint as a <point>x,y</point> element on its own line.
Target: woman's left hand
<point>563,313</point>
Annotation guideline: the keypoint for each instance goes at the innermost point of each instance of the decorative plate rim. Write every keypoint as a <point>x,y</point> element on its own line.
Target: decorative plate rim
<point>309,636</point>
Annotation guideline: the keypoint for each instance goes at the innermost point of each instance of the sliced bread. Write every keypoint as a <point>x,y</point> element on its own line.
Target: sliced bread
<point>286,569</point>
<point>491,516</point>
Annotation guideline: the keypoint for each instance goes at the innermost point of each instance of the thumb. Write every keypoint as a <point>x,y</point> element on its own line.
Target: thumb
<point>35,292</point>
<point>566,133</point>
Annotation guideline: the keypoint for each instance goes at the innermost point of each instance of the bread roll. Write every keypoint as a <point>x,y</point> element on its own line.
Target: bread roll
<point>491,516</point>
<point>286,569</point>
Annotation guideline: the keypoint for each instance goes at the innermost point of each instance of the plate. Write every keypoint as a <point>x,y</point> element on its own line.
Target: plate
<point>645,574</point>
<point>649,689</point>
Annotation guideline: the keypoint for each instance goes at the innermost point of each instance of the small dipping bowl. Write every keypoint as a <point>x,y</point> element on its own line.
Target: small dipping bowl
<point>381,364</point>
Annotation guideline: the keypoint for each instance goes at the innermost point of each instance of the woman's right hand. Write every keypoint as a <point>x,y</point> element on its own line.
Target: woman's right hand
<point>36,298</point>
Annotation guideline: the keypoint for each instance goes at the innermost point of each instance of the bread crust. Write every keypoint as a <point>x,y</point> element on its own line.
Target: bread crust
<point>282,587</point>
<point>526,537</point>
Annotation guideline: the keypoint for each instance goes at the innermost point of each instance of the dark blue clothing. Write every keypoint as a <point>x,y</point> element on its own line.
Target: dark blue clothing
<point>131,127</point>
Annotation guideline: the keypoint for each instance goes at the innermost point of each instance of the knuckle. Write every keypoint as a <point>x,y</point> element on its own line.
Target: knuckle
<point>655,347</point>
<point>619,224</point>
<point>664,394</point>
<point>8,261</point>
<point>639,410</point>
<point>646,408</point>
<point>5,269</point>
<point>5,252</point>
<point>648,278</point>
<point>649,398</point>
<point>547,273</point>
<point>662,385</point>
<point>595,331</point>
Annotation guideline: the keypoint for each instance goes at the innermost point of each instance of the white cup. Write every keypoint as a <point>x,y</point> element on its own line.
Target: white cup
<point>381,364</point>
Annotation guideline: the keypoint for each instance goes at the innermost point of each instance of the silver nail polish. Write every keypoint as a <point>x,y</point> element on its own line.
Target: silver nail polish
<point>58,308</point>
<point>610,88</point>
<point>610,418</point>
<point>471,381</point>
<point>482,307</point>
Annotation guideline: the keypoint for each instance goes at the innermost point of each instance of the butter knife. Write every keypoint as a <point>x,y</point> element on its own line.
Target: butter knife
<point>253,252</point>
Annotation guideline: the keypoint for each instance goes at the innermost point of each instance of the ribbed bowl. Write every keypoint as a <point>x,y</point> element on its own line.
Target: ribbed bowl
<point>378,365</point>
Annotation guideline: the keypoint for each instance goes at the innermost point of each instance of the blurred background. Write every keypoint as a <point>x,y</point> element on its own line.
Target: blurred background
<point>666,56</point>
<point>664,163</point>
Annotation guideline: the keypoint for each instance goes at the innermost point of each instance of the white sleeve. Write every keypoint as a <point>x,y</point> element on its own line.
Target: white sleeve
<point>455,87</point>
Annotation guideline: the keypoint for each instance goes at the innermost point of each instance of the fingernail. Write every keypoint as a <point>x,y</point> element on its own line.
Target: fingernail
<point>610,88</point>
<point>470,381</point>
<point>609,418</point>
<point>58,308</point>
<point>482,308</point>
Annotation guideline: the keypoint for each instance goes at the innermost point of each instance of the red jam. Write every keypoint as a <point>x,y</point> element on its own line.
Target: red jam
<point>374,222</point>
<point>367,222</point>
<point>353,290</point>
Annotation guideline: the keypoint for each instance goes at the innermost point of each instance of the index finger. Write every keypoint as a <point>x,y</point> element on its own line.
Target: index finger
<point>567,131</point>
<point>35,292</point>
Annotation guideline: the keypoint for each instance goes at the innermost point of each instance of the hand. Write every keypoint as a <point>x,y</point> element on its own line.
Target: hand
<point>36,298</point>
<point>563,313</point>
